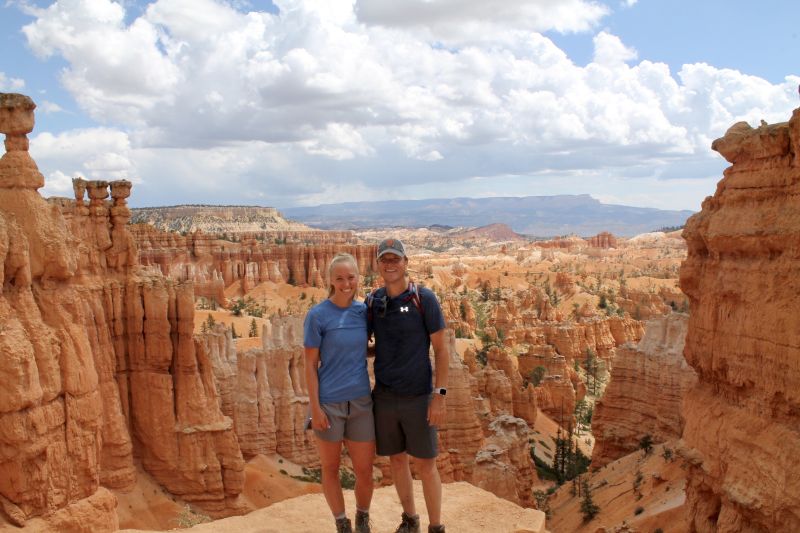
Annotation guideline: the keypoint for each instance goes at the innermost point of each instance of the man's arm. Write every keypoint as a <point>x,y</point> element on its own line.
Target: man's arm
<point>437,412</point>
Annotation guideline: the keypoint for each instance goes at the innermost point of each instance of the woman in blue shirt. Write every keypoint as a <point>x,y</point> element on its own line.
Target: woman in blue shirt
<point>335,341</point>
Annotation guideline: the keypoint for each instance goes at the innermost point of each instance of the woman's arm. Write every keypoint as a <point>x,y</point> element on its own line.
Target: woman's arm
<point>318,419</point>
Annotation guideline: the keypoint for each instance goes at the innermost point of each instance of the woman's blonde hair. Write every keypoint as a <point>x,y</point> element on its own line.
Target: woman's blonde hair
<point>337,259</point>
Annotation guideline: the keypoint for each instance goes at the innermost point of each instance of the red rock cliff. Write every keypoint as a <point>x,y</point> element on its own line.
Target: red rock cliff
<point>742,276</point>
<point>644,396</point>
<point>98,362</point>
<point>213,263</point>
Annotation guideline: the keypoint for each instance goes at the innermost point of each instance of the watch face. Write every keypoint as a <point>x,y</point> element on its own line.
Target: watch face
<point>441,391</point>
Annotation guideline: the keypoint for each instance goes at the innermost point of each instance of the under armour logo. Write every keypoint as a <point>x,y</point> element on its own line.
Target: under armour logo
<point>404,309</point>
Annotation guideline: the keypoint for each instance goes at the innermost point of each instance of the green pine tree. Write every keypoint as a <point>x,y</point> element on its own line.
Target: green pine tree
<point>589,509</point>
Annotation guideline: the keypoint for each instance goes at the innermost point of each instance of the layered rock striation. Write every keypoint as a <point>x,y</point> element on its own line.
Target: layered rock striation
<point>648,384</point>
<point>742,276</point>
<point>213,263</point>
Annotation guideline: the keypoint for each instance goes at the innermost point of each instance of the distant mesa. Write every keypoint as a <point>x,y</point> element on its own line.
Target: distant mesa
<point>540,216</point>
<point>215,219</point>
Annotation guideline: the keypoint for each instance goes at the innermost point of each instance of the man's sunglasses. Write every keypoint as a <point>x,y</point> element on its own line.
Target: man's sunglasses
<point>390,260</point>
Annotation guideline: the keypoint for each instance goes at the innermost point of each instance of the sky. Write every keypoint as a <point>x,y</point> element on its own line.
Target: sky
<point>306,102</point>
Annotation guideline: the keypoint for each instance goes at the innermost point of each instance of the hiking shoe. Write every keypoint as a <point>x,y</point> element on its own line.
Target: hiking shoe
<point>436,529</point>
<point>409,524</point>
<point>343,525</point>
<point>362,522</point>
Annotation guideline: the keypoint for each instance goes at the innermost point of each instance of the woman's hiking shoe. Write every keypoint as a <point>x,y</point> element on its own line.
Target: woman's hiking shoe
<point>343,525</point>
<point>409,524</point>
<point>362,522</point>
<point>436,529</point>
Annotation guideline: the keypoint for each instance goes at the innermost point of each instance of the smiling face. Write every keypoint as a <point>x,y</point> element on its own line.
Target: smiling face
<point>343,279</point>
<point>392,268</point>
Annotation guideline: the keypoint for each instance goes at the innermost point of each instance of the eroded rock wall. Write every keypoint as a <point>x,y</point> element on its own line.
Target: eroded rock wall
<point>98,364</point>
<point>742,276</point>
<point>645,393</point>
<point>213,262</point>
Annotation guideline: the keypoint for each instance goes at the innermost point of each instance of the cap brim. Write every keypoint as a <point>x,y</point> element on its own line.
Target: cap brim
<point>398,253</point>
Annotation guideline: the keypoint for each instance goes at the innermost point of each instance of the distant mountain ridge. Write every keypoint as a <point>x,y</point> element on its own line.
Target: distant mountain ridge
<point>540,216</point>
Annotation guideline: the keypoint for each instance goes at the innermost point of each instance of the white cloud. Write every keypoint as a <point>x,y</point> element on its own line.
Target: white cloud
<point>215,104</point>
<point>609,50</point>
<point>10,84</point>
<point>95,154</point>
<point>629,3</point>
<point>57,183</point>
<point>470,19</point>
<point>48,107</point>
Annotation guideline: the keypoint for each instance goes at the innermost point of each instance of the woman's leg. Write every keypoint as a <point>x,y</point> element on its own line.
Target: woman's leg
<point>363,456</point>
<point>330,456</point>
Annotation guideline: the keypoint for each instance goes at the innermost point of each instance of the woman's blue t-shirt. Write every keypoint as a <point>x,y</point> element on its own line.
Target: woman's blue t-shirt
<point>341,336</point>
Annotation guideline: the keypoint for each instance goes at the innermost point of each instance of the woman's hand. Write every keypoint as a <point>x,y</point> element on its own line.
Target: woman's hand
<point>319,420</point>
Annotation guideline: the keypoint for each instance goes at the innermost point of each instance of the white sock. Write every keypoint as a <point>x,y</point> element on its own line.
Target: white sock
<point>340,516</point>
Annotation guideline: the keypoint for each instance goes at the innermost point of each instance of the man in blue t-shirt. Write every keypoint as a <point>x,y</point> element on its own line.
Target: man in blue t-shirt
<point>406,320</point>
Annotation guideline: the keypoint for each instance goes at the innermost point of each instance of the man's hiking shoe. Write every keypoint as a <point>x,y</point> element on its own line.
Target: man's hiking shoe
<point>362,522</point>
<point>409,524</point>
<point>436,529</point>
<point>343,525</point>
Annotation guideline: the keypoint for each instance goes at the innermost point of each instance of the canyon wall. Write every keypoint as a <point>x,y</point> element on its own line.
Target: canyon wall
<point>556,346</point>
<point>213,263</point>
<point>644,396</point>
<point>98,364</point>
<point>742,276</point>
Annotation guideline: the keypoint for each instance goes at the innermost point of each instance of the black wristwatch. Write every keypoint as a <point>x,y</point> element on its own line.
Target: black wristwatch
<point>441,390</point>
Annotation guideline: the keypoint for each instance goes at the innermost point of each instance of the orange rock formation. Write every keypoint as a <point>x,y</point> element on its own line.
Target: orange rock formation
<point>648,384</point>
<point>603,239</point>
<point>742,276</point>
<point>99,362</point>
<point>213,263</point>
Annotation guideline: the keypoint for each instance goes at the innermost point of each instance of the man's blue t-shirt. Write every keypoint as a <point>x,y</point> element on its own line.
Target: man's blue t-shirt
<point>341,336</point>
<point>402,341</point>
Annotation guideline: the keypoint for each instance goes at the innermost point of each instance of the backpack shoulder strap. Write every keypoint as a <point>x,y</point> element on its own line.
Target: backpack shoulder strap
<point>370,300</point>
<point>414,296</point>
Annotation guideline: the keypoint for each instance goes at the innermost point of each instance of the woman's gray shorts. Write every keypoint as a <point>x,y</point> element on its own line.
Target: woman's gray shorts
<point>351,420</point>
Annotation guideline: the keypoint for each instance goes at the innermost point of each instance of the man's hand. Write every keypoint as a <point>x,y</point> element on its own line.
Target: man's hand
<point>437,411</point>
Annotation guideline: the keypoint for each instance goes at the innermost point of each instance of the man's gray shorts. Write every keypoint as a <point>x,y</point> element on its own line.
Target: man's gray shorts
<point>352,420</point>
<point>401,425</point>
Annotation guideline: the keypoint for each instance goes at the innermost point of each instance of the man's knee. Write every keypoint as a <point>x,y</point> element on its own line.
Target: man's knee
<point>426,467</point>
<point>398,459</point>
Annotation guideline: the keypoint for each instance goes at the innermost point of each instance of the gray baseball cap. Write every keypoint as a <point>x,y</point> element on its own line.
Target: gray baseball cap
<point>391,246</point>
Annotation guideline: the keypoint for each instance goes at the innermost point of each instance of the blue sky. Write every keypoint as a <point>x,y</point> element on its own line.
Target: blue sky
<point>302,102</point>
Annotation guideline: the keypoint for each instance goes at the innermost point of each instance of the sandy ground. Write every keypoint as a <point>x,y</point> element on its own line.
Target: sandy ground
<point>149,507</point>
<point>465,509</point>
<point>660,506</point>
